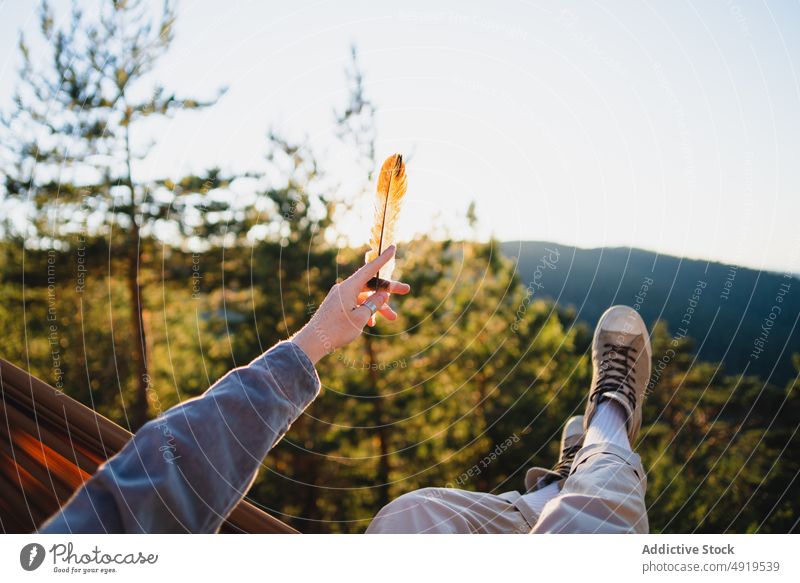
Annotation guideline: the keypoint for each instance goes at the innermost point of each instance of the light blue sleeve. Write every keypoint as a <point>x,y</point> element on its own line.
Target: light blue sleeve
<point>186,470</point>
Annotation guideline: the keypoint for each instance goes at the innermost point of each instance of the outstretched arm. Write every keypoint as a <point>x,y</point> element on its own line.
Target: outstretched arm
<point>186,470</point>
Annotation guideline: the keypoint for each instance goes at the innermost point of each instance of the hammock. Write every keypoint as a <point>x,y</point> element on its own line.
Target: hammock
<point>51,444</point>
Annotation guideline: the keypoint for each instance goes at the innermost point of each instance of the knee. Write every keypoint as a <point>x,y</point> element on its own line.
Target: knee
<point>415,512</point>
<point>418,501</point>
<point>424,495</point>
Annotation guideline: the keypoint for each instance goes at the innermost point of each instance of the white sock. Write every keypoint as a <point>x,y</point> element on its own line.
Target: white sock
<point>538,498</point>
<point>608,426</point>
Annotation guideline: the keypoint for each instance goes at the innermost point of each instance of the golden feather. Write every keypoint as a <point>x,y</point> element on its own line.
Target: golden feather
<point>391,188</point>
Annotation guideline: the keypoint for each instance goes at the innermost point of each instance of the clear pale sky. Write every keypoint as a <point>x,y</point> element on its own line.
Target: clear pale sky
<point>671,126</point>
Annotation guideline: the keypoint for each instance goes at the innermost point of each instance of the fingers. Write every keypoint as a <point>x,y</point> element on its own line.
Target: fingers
<point>387,312</point>
<point>368,271</point>
<point>394,287</point>
<point>363,312</point>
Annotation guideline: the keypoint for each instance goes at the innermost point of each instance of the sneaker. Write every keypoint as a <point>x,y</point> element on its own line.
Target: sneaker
<point>621,356</point>
<point>571,443</point>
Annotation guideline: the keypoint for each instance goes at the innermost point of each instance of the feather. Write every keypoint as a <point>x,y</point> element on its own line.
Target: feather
<point>392,186</point>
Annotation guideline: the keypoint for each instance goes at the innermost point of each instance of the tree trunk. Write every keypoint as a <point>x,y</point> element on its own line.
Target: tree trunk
<point>305,467</point>
<point>139,414</point>
<point>384,465</point>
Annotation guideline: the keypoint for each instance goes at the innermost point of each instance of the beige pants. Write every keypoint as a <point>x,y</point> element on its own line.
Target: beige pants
<point>604,493</point>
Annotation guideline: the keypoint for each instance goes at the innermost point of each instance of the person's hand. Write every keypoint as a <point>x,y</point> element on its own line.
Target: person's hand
<point>345,311</point>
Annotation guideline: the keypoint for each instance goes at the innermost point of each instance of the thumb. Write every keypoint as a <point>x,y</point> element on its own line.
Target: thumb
<point>364,313</point>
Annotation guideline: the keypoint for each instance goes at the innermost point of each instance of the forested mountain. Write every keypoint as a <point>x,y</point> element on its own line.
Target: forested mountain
<point>744,318</point>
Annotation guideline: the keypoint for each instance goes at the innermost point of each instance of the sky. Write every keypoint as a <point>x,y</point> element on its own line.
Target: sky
<point>670,126</point>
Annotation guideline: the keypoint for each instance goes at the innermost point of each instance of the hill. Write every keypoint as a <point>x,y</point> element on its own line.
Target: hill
<point>744,318</point>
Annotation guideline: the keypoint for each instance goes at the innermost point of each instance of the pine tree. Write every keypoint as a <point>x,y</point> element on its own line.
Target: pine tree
<point>71,152</point>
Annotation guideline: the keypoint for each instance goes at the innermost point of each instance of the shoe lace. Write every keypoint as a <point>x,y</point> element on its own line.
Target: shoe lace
<point>616,372</point>
<point>564,465</point>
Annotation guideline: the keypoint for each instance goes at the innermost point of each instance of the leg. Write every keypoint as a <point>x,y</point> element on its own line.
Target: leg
<point>450,511</point>
<point>457,511</point>
<point>542,485</point>
<point>604,494</point>
<point>605,489</point>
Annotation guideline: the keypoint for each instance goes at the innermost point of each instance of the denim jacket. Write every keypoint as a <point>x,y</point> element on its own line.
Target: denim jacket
<point>186,470</point>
